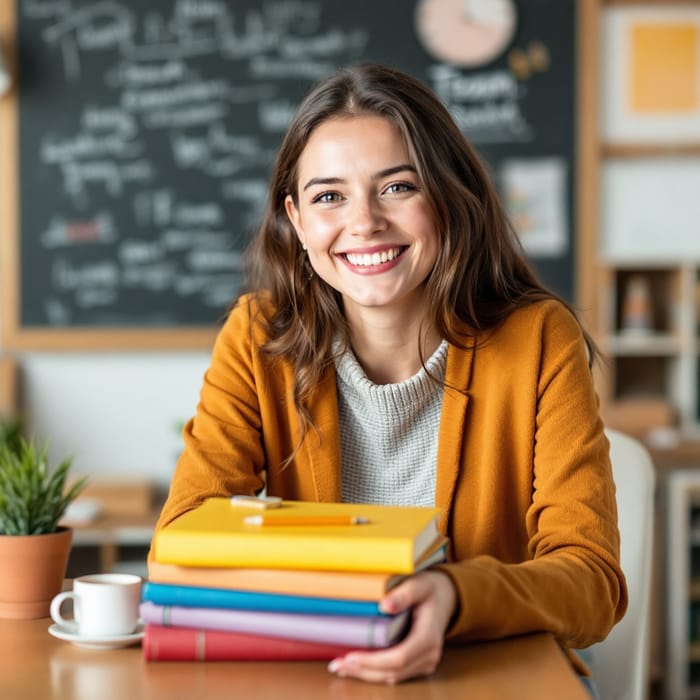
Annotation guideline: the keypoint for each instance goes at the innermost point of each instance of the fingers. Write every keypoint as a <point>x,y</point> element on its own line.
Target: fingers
<point>432,587</point>
<point>411,658</point>
<point>432,600</point>
<point>409,593</point>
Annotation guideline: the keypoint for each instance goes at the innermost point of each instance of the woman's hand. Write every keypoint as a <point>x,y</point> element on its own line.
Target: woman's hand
<point>433,598</point>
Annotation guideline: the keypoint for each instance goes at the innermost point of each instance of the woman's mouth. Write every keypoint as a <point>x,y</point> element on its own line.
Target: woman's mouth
<point>373,259</point>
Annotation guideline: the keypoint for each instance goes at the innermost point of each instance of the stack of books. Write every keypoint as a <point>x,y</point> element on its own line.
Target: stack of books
<point>300,582</point>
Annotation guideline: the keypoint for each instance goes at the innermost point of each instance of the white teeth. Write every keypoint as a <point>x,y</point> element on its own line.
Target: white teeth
<point>366,260</point>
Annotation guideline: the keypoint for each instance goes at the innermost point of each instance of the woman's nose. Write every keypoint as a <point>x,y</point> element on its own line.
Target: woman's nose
<point>366,218</point>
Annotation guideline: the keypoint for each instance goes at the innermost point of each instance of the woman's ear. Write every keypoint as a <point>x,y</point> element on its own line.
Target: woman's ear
<point>293,216</point>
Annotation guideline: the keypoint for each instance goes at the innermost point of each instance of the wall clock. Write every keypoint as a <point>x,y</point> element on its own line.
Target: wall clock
<point>468,33</point>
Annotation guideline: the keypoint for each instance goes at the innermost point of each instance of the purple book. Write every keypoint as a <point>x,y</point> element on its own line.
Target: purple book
<point>357,631</point>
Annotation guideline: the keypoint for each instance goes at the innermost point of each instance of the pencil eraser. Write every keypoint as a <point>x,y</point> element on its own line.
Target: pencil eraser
<point>261,502</point>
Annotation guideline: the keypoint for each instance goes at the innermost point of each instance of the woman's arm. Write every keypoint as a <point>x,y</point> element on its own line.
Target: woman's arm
<point>223,452</point>
<point>568,579</point>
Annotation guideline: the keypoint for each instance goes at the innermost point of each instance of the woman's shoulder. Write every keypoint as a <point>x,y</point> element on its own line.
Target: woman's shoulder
<point>546,319</point>
<point>543,312</point>
<point>250,308</point>
<point>253,303</point>
<point>248,318</point>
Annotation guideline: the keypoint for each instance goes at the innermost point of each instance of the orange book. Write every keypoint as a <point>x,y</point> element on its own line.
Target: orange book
<point>390,539</point>
<point>346,585</point>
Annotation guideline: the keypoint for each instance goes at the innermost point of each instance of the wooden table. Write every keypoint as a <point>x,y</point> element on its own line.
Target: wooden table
<point>35,666</point>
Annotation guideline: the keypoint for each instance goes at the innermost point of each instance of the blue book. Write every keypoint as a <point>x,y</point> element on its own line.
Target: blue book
<point>198,597</point>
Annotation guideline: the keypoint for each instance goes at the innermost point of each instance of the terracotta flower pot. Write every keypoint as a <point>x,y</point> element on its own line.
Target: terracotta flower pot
<point>33,568</point>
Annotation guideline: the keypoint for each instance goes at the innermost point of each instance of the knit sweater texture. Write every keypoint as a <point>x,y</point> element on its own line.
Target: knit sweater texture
<point>388,433</point>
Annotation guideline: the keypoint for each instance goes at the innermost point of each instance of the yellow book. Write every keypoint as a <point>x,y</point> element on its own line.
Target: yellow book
<point>392,539</point>
<point>345,585</point>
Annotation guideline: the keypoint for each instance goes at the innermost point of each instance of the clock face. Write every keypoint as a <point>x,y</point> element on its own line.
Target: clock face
<point>466,32</point>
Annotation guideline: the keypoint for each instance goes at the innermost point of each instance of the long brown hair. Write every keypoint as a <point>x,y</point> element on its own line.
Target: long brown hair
<point>481,274</point>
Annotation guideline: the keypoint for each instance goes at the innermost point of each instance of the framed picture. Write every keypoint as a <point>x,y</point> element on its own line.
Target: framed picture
<point>650,73</point>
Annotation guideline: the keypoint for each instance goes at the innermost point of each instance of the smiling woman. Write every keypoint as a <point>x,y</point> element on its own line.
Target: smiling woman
<point>395,346</point>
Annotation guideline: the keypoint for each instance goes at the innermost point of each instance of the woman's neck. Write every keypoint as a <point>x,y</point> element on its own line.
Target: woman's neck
<point>389,346</point>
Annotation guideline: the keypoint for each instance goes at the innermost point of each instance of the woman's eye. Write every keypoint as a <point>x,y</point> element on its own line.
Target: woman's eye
<point>326,198</point>
<point>399,187</point>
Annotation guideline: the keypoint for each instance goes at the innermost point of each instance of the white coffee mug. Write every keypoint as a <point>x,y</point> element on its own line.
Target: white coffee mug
<point>104,605</point>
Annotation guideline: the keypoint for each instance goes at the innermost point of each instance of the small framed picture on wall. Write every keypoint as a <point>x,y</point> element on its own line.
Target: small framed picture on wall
<point>650,73</point>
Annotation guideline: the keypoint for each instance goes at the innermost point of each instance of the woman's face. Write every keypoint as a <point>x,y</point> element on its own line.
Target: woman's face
<point>362,213</point>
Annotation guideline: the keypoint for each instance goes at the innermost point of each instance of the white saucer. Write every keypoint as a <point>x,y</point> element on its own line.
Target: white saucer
<point>89,642</point>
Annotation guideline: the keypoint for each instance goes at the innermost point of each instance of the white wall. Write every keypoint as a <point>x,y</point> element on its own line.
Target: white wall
<point>114,412</point>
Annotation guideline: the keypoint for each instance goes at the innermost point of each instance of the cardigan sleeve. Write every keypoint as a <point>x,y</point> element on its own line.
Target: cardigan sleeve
<point>570,583</point>
<point>223,451</point>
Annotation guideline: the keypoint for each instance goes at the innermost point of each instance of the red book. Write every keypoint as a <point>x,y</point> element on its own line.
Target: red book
<point>184,644</point>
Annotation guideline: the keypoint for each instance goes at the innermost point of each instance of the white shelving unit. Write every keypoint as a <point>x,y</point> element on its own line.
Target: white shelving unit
<point>683,585</point>
<point>662,362</point>
<point>646,177</point>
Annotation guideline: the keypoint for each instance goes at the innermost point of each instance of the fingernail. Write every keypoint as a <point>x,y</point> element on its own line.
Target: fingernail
<point>387,606</point>
<point>334,666</point>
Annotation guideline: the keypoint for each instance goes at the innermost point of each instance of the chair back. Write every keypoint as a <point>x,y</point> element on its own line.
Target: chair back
<point>620,663</point>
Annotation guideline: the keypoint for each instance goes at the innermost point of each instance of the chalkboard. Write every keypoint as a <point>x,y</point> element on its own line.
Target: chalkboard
<point>145,132</point>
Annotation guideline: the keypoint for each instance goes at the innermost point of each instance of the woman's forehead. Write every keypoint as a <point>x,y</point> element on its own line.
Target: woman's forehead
<point>353,137</point>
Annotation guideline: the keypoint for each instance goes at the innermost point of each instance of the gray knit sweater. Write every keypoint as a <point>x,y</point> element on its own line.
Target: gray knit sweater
<point>388,433</point>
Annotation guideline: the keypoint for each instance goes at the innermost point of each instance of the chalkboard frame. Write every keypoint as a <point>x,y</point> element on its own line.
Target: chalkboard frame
<point>20,337</point>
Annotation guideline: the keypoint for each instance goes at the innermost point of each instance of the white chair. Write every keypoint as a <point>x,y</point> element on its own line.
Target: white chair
<point>620,663</point>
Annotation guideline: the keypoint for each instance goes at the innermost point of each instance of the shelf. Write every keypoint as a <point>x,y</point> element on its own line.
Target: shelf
<point>653,150</point>
<point>637,344</point>
<point>651,337</point>
<point>682,537</point>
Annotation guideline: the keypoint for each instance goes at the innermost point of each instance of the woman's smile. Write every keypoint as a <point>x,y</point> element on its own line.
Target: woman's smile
<point>374,260</point>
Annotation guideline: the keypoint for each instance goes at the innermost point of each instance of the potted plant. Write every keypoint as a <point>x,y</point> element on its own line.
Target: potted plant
<point>34,548</point>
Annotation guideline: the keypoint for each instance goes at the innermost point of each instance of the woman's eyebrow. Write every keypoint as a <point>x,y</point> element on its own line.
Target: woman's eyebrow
<point>323,181</point>
<point>339,180</point>
<point>394,170</point>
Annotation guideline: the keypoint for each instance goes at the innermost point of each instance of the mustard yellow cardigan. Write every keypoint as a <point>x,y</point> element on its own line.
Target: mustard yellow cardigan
<point>523,475</point>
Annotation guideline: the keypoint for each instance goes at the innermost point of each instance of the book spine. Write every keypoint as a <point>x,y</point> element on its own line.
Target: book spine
<point>358,632</point>
<point>322,584</point>
<point>195,596</point>
<point>182,644</point>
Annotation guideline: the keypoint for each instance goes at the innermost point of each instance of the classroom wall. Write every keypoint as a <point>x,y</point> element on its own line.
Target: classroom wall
<point>117,413</point>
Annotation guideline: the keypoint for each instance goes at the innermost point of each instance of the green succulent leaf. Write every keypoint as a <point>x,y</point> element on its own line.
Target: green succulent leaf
<point>32,497</point>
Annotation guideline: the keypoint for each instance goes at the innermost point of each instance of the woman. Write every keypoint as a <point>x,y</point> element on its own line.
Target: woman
<point>397,347</point>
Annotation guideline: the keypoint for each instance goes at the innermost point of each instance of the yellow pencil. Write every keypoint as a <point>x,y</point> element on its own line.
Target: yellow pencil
<point>305,520</point>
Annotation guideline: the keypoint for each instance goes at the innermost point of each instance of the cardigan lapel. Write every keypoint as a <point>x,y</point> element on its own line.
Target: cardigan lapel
<point>323,441</point>
<point>451,435</point>
<point>322,444</point>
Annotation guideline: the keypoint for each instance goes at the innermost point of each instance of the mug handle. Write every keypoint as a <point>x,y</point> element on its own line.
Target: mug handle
<point>57,604</point>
